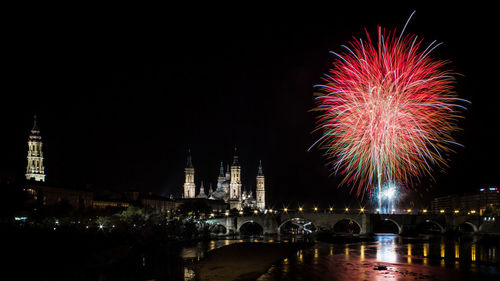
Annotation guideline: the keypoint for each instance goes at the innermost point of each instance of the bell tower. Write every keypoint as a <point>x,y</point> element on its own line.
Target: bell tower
<point>189,186</point>
<point>261,191</point>
<point>235,184</point>
<point>34,169</point>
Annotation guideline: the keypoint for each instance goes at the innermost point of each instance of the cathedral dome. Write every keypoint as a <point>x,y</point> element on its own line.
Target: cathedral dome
<point>226,184</point>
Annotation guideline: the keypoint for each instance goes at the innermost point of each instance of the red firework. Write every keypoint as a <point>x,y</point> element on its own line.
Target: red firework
<point>387,111</point>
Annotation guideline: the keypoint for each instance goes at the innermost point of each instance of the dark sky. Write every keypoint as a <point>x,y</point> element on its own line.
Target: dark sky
<point>121,95</point>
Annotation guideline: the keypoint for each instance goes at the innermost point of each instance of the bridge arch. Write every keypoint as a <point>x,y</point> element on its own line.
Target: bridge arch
<point>218,228</point>
<point>250,227</point>
<point>430,226</point>
<point>472,226</point>
<point>347,225</point>
<point>385,225</point>
<point>303,225</point>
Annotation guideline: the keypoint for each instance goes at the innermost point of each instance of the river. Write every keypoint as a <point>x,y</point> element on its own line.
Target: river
<point>389,257</point>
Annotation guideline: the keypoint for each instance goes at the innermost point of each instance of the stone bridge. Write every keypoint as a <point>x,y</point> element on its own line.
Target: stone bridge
<point>367,223</point>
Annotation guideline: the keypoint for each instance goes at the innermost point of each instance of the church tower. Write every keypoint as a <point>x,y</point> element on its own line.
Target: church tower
<point>261,191</point>
<point>235,184</point>
<point>202,192</point>
<point>221,177</point>
<point>189,186</point>
<point>34,169</point>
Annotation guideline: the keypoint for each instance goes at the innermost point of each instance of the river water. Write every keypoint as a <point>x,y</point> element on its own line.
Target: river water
<point>389,257</point>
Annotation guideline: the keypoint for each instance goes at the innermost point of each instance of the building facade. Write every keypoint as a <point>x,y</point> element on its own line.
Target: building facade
<point>485,200</point>
<point>229,186</point>
<point>189,186</point>
<point>35,169</point>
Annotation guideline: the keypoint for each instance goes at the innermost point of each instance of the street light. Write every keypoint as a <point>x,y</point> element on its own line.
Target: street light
<point>285,210</point>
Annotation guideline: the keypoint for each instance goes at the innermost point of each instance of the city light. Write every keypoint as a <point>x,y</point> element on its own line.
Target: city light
<point>300,209</point>
<point>255,211</point>
<point>315,209</point>
<point>409,210</point>
<point>425,211</point>
<point>362,210</point>
<point>441,211</point>
<point>456,211</point>
<point>347,209</point>
<point>285,210</point>
<point>472,211</point>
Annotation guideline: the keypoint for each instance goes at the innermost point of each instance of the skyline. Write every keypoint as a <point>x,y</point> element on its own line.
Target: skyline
<point>131,126</point>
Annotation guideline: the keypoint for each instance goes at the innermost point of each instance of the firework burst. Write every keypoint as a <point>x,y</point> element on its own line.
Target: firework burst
<point>387,111</point>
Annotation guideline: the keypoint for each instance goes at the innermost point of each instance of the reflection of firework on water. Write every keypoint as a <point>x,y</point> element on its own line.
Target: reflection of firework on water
<point>387,111</point>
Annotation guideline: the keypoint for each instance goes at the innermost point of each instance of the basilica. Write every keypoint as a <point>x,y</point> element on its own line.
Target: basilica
<point>229,187</point>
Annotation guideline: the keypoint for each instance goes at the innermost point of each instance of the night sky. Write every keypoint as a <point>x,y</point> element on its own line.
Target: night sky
<point>121,95</point>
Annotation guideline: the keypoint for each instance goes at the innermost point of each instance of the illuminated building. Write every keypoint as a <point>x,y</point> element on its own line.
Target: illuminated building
<point>189,186</point>
<point>261,192</point>
<point>229,187</point>
<point>35,170</point>
<point>487,198</point>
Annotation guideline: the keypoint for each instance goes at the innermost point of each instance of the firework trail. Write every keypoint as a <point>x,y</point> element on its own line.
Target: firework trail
<point>386,110</point>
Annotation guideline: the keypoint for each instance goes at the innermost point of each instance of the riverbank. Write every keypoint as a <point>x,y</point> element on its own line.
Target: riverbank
<point>244,261</point>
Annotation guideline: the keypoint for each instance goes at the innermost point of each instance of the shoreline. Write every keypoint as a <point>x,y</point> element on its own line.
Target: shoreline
<point>243,261</point>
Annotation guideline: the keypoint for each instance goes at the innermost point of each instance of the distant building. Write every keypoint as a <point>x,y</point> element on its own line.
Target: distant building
<point>103,204</point>
<point>157,202</point>
<point>34,169</point>
<point>49,195</point>
<point>229,187</point>
<point>487,198</point>
<point>217,206</point>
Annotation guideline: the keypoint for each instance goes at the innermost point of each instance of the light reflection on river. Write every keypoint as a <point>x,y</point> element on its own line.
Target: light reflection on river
<point>389,257</point>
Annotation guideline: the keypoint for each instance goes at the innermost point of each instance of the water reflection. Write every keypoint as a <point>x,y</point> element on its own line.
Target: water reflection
<point>362,253</point>
<point>386,252</point>
<point>409,253</point>
<point>390,258</point>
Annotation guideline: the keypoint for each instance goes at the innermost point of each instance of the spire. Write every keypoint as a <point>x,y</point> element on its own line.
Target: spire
<point>189,160</point>
<point>35,132</point>
<point>235,158</point>
<point>221,173</point>
<point>202,192</point>
<point>260,173</point>
<point>35,125</point>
